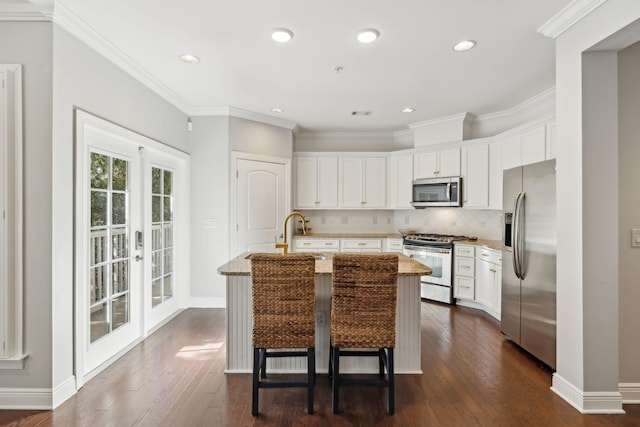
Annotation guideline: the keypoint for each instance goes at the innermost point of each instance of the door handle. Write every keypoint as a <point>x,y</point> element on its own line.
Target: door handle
<point>138,258</point>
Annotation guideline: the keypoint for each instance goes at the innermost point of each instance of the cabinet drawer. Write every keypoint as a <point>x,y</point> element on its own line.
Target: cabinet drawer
<point>366,244</point>
<point>464,287</point>
<point>303,245</point>
<point>464,266</point>
<point>394,245</point>
<point>489,255</point>
<point>465,250</point>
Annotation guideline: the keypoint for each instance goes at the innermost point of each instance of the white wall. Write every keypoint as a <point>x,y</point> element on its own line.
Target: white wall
<point>629,178</point>
<point>83,79</point>
<point>210,174</point>
<point>30,44</point>
<point>581,380</point>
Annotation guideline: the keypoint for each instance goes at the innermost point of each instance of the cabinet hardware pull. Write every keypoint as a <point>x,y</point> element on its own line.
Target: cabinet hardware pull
<point>327,243</point>
<point>492,270</point>
<point>485,254</point>
<point>465,286</point>
<point>464,266</point>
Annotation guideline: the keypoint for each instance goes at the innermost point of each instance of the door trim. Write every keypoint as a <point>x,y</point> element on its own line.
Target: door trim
<point>233,202</point>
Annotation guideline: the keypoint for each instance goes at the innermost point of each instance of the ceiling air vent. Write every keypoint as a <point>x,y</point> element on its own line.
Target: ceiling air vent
<point>361,113</point>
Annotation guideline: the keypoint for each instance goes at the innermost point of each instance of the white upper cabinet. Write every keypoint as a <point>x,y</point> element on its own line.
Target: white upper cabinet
<point>316,182</point>
<point>433,164</point>
<point>400,181</point>
<point>475,176</point>
<point>363,182</point>
<point>523,149</point>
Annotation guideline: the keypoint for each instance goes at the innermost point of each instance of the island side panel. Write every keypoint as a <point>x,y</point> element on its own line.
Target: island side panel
<point>239,326</point>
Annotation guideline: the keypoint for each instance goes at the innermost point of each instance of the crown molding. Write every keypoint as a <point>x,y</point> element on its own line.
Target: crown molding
<point>457,118</point>
<point>547,95</point>
<point>350,135</point>
<point>568,17</point>
<point>79,29</point>
<point>26,12</point>
<point>261,118</point>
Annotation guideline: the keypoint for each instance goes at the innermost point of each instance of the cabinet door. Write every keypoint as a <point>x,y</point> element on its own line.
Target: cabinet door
<point>425,165</point>
<point>475,183</point>
<point>485,291</point>
<point>375,182</point>
<point>511,153</point>
<point>327,182</point>
<point>449,163</point>
<point>351,182</point>
<point>497,290</point>
<point>534,146</point>
<point>306,182</point>
<point>401,177</point>
<point>495,175</point>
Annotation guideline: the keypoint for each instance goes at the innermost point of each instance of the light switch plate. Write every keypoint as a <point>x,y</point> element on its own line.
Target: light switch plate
<point>635,237</point>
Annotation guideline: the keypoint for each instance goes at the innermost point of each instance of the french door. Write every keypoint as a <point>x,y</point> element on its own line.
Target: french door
<point>109,285</point>
<point>130,230</point>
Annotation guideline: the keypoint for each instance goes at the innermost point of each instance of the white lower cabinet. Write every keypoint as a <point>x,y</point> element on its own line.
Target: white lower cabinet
<point>317,245</point>
<point>393,245</point>
<point>478,278</point>
<point>464,272</point>
<point>489,280</point>
<point>361,245</point>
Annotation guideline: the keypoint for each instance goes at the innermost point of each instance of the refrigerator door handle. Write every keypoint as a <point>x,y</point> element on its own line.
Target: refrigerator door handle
<point>514,235</point>
<point>518,246</point>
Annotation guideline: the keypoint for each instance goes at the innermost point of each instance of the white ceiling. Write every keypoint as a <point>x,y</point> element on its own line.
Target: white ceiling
<point>412,64</point>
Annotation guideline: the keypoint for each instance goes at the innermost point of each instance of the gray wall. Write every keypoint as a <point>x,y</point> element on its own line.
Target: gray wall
<point>259,138</point>
<point>30,44</point>
<point>84,79</point>
<point>629,178</point>
<point>210,174</point>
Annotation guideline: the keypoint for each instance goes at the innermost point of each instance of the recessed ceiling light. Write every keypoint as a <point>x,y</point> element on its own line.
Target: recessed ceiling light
<point>281,35</point>
<point>408,110</point>
<point>464,45</point>
<point>277,110</point>
<point>189,59</point>
<point>367,35</point>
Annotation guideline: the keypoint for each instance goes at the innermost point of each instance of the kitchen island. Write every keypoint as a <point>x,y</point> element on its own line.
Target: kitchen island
<point>239,322</point>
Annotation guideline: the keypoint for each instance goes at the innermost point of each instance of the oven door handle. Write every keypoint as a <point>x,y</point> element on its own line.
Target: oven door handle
<point>423,250</point>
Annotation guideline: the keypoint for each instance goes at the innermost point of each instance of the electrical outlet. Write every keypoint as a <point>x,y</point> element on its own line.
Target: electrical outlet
<point>321,318</point>
<point>375,220</point>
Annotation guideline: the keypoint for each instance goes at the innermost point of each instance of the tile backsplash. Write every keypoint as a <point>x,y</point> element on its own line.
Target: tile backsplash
<point>484,224</point>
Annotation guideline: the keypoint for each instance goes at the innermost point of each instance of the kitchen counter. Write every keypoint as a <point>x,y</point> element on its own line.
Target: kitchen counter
<point>241,266</point>
<point>389,235</point>
<point>490,244</point>
<point>239,320</point>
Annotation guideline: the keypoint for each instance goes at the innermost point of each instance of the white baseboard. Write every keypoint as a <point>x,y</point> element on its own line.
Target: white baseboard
<point>25,398</point>
<point>195,302</point>
<point>630,393</point>
<point>64,391</point>
<point>587,402</point>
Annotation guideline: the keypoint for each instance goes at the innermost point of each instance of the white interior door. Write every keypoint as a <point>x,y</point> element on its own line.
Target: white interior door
<point>109,277</point>
<point>261,203</point>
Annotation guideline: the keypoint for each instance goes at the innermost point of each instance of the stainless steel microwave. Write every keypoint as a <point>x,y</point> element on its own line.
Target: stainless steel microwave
<point>430,192</point>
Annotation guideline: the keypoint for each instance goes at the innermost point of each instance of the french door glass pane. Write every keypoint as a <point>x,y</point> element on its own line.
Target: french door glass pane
<point>161,235</point>
<point>109,279</point>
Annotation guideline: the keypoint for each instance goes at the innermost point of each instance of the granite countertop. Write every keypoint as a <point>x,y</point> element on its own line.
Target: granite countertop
<point>348,235</point>
<point>491,244</point>
<point>241,266</point>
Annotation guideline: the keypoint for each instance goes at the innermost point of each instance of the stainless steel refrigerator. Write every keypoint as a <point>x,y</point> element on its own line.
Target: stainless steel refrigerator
<point>529,259</point>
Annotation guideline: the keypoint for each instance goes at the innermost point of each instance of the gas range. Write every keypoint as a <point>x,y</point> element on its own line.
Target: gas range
<point>431,239</point>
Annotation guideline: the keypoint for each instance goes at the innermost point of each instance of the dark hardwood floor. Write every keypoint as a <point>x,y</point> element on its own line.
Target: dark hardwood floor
<point>472,377</point>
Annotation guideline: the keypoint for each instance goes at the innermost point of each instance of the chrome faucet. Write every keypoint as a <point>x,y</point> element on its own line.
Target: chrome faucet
<point>284,245</point>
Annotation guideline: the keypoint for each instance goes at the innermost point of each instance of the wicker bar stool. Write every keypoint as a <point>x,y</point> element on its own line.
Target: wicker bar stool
<point>283,291</point>
<point>363,318</point>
